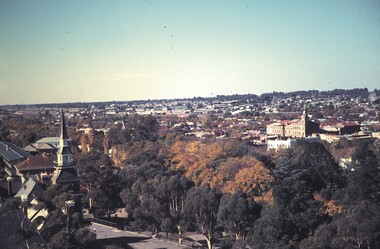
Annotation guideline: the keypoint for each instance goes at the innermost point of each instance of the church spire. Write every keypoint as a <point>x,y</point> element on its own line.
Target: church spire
<point>64,153</point>
<point>63,127</point>
<point>65,173</point>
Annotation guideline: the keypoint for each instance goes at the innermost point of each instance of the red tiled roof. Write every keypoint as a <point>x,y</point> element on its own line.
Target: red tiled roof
<point>37,162</point>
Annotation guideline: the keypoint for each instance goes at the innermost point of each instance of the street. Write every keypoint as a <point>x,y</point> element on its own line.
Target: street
<point>108,235</point>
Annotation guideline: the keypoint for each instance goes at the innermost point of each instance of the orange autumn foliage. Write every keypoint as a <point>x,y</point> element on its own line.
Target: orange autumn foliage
<point>119,154</point>
<point>253,178</point>
<point>210,163</point>
<point>329,206</point>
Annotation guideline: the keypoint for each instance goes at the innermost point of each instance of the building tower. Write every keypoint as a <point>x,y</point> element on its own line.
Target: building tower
<point>66,173</point>
<point>305,123</point>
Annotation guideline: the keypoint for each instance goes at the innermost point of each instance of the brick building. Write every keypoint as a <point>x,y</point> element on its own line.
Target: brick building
<point>301,128</point>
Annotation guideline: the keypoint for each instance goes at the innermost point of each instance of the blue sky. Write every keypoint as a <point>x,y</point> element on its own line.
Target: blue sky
<point>69,51</point>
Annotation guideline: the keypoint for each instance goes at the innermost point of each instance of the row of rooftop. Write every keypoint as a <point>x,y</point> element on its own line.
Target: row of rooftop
<point>360,101</point>
<point>239,116</point>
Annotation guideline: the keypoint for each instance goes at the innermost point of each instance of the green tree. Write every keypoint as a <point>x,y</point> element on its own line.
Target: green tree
<point>323,237</point>
<point>364,179</point>
<point>171,192</point>
<point>143,205</point>
<point>302,173</point>
<point>60,240</point>
<point>55,231</point>
<point>201,208</point>
<point>102,182</point>
<point>157,203</point>
<point>268,232</point>
<point>237,215</point>
<point>141,128</point>
<point>29,138</point>
<point>106,195</point>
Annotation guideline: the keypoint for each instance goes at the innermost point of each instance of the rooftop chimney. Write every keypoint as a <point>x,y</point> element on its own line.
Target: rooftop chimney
<point>9,180</point>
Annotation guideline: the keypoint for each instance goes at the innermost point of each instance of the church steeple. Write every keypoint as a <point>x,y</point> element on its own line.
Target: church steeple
<point>64,153</point>
<point>66,173</point>
<point>65,170</point>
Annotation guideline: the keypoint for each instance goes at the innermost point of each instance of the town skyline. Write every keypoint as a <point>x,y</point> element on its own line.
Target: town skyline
<point>59,52</point>
<point>217,98</point>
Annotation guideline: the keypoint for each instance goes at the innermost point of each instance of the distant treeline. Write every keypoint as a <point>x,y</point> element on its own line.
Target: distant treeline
<point>265,97</point>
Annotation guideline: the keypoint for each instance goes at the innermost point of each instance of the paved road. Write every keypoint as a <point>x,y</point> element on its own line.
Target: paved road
<point>110,235</point>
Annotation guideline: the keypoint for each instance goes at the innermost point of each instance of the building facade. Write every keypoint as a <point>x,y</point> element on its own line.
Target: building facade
<point>280,144</point>
<point>294,129</point>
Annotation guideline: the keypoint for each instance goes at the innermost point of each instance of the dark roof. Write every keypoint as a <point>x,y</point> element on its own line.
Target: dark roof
<point>16,185</point>
<point>11,152</point>
<point>65,175</point>
<point>63,127</point>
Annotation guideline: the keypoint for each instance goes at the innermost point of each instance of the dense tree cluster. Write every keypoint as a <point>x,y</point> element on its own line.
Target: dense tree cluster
<point>100,178</point>
<point>227,190</point>
<point>226,165</point>
<point>301,198</point>
<point>316,205</point>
